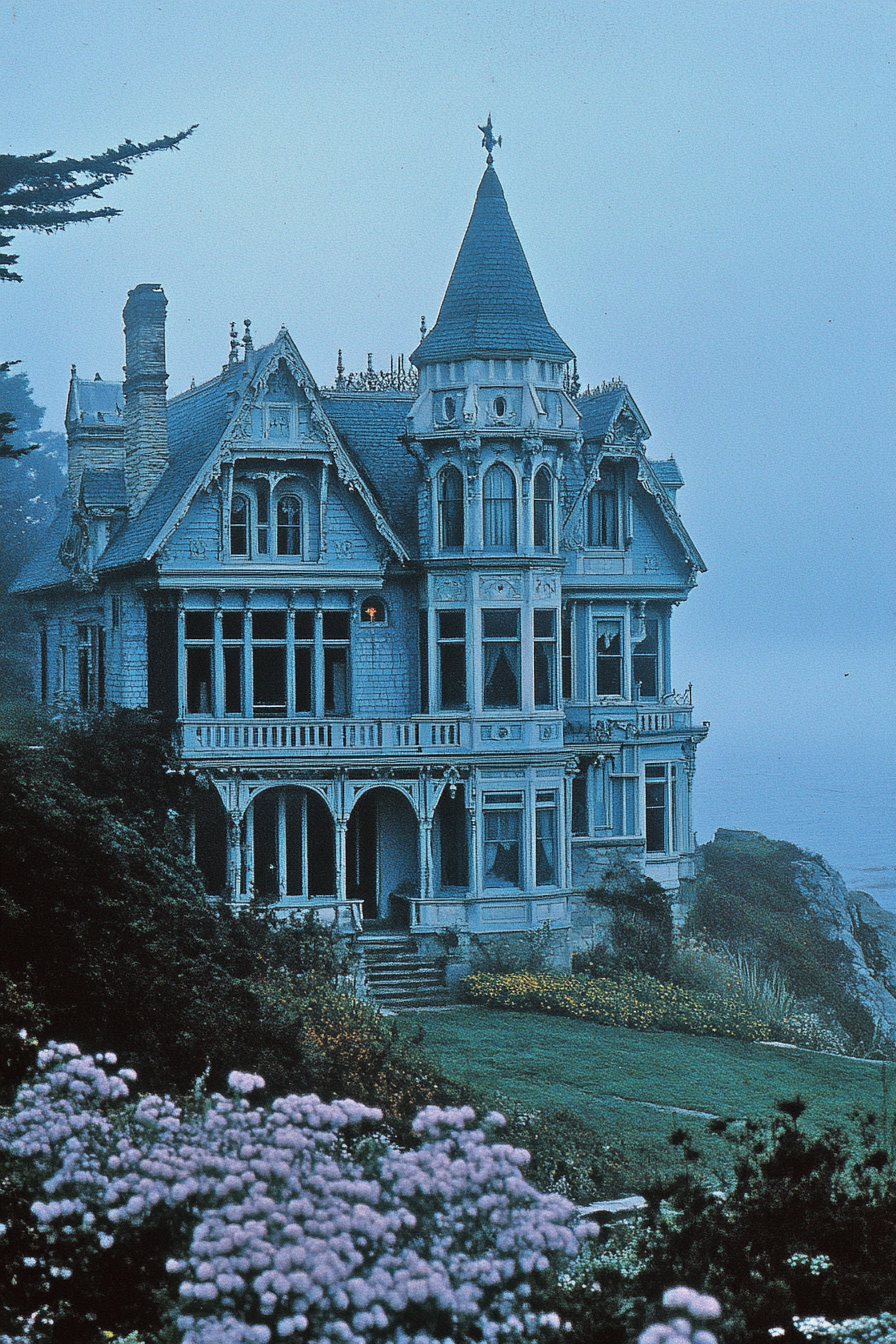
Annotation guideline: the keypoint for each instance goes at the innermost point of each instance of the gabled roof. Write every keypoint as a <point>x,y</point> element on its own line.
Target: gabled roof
<point>94,401</point>
<point>44,569</point>
<point>201,423</point>
<point>600,411</point>
<point>491,305</point>
<point>666,470</point>
<point>369,424</point>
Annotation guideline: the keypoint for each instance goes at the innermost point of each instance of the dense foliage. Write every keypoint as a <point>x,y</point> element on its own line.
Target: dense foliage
<point>231,1222</point>
<point>640,928</point>
<point>806,1228</point>
<point>748,897</point>
<point>106,936</point>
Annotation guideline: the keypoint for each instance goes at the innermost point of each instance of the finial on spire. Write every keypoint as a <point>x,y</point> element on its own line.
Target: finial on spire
<point>247,336</point>
<point>422,327</point>
<point>488,139</point>
<point>234,345</point>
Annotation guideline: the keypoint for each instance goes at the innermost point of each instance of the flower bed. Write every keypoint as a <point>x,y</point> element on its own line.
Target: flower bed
<point>636,1001</point>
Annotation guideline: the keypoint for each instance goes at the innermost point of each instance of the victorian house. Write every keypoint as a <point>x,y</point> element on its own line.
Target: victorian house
<point>413,628</point>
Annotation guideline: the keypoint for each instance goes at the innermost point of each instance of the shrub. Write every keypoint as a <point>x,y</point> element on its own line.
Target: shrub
<point>808,1227</point>
<point>282,1220</point>
<point>526,951</point>
<point>641,927</point>
<point>636,1001</point>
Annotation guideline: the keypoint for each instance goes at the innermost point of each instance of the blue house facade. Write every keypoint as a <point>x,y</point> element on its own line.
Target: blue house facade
<point>413,628</point>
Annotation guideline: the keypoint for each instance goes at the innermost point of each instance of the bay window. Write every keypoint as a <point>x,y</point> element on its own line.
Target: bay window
<point>501,659</point>
<point>499,509</point>
<point>503,832</point>
<point>608,642</point>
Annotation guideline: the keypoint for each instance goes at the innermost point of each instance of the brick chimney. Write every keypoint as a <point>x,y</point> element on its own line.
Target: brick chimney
<point>145,404</point>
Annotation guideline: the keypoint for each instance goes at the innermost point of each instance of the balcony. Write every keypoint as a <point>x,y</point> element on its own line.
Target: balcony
<point>206,738</point>
<point>621,720</point>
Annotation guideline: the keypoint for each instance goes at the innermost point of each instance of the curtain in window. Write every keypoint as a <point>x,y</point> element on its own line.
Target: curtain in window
<point>239,525</point>
<point>502,849</point>
<point>544,510</point>
<point>499,501</point>
<point>451,508</point>
<point>289,525</point>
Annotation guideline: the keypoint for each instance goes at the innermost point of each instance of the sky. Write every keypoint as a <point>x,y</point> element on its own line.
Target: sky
<point>705,192</point>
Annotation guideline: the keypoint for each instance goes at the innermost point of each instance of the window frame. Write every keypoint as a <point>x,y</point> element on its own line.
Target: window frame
<point>494,509</point>
<point>451,521</point>
<point>543,504</point>
<point>495,807</point>
<point>446,646</point>
<point>493,641</point>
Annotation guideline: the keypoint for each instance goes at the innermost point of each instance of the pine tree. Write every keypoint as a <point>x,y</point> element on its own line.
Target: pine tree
<point>45,194</point>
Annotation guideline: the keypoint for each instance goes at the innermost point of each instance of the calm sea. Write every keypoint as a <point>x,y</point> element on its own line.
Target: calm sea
<point>841,805</point>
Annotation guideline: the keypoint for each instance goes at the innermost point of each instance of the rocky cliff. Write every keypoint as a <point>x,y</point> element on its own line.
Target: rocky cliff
<point>793,909</point>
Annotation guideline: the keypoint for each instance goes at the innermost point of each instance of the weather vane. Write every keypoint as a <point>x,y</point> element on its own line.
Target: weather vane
<point>488,139</point>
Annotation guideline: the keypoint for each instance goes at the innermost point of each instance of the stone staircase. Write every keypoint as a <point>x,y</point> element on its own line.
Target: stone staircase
<point>397,977</point>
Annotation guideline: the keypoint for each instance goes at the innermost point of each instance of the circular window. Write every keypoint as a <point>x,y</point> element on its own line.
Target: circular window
<point>500,406</point>
<point>372,611</point>
<point>450,408</point>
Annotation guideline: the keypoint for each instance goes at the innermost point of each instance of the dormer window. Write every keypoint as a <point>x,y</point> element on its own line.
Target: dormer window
<point>604,508</point>
<point>289,525</point>
<point>239,525</point>
<point>499,509</point>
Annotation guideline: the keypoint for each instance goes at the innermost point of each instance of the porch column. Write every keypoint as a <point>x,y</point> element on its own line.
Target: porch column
<point>475,857</point>
<point>341,827</point>
<point>181,659</point>
<point>425,857</point>
<point>218,663</point>
<point>234,856</point>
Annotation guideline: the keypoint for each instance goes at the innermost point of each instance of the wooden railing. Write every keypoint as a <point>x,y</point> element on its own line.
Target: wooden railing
<point>320,736</point>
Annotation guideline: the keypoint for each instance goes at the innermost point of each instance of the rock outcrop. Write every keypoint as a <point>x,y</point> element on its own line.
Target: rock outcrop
<point>853,919</point>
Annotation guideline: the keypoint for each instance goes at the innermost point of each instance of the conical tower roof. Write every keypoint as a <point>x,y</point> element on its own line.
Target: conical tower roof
<point>491,307</point>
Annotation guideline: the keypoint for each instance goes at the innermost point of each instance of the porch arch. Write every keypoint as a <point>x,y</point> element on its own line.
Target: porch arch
<point>382,853</point>
<point>290,843</point>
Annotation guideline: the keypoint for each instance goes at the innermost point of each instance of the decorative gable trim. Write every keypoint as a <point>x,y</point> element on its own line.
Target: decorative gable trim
<point>238,434</point>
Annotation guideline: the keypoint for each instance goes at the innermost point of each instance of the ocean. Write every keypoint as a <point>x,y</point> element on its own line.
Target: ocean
<point>841,805</point>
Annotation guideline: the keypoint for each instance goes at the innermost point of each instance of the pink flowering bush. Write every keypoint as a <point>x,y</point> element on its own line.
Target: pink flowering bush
<point>292,1225</point>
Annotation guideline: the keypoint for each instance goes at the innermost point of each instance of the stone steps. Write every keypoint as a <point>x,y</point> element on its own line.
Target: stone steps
<point>397,977</point>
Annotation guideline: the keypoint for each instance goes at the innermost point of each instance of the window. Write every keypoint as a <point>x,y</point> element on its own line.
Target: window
<point>372,611</point>
<point>199,632</point>
<point>659,808</point>
<point>268,662</point>
<point>501,659</point>
<point>450,408</point>
<point>500,406</point>
<point>336,646</point>
<point>580,824</point>
<point>624,794</point>
<point>566,653</point>
<point>452,646</point>
<point>503,822</point>
<point>262,516</point>
<point>91,666</point>
<point>239,525</point>
<point>63,670</point>
<point>117,611</point>
<point>604,504</point>
<point>451,834</point>
<point>543,518</point>
<point>423,644</point>
<point>644,662</point>
<point>289,525</point>
<point>545,840</point>
<point>545,658</point>
<point>608,637</point>
<point>232,634</point>
<point>304,661</point>
<point>451,508</point>
<point>499,505</point>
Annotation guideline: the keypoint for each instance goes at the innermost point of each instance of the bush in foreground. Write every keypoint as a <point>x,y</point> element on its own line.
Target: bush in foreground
<point>236,1222</point>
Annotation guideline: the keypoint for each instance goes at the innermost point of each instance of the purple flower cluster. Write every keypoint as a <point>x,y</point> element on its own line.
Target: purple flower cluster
<point>292,1234</point>
<point>679,1330</point>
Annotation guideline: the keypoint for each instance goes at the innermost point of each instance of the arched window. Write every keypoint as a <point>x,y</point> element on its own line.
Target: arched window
<point>544,510</point>
<point>451,508</point>
<point>499,503</point>
<point>239,525</point>
<point>289,525</point>
<point>604,506</point>
<point>372,611</point>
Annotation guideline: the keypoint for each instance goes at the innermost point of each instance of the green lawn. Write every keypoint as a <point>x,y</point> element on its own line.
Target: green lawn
<point>614,1078</point>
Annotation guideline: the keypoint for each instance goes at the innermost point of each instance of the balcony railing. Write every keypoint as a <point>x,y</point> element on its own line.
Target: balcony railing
<point>319,737</point>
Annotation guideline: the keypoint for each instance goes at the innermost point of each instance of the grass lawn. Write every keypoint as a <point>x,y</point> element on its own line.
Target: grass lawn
<point>620,1081</point>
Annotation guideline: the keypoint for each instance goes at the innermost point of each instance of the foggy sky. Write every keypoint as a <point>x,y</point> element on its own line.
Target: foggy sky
<point>705,195</point>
